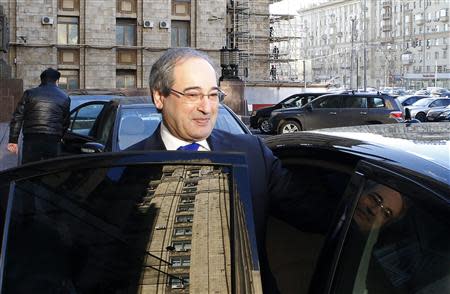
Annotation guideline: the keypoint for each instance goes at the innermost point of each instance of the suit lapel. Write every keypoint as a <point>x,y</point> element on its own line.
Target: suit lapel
<point>155,142</point>
<point>219,143</point>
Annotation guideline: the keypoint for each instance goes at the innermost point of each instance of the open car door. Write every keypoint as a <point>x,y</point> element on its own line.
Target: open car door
<point>153,222</point>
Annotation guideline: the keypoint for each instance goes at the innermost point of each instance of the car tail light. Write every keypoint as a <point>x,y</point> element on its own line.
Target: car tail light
<point>395,114</point>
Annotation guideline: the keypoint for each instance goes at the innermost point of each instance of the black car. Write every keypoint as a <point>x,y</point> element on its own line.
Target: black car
<point>337,110</point>
<point>260,118</point>
<point>439,114</point>
<point>171,222</point>
<point>116,124</point>
<point>407,100</point>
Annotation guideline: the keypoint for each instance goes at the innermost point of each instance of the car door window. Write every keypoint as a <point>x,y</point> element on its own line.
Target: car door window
<point>107,227</point>
<point>327,102</point>
<point>376,102</point>
<point>394,245</point>
<point>225,121</point>
<point>83,119</point>
<point>136,124</point>
<point>354,102</point>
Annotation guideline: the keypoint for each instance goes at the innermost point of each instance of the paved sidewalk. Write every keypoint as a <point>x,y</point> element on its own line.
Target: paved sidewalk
<point>7,159</point>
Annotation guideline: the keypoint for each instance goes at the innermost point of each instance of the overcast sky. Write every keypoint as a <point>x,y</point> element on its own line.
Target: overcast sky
<point>289,6</point>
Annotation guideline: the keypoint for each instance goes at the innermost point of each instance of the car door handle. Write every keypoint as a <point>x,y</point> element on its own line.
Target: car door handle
<point>332,112</point>
<point>363,112</point>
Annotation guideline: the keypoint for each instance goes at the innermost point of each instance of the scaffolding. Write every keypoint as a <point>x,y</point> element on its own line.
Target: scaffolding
<point>239,34</point>
<point>285,48</point>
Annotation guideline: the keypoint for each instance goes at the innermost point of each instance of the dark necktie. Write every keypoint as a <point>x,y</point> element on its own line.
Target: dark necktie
<point>189,147</point>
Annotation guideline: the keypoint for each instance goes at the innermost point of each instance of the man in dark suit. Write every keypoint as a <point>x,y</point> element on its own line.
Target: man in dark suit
<point>184,89</point>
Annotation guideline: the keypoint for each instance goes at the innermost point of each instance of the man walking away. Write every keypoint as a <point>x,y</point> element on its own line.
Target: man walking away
<point>43,116</point>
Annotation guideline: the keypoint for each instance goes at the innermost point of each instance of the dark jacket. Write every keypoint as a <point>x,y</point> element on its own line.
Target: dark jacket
<point>41,110</point>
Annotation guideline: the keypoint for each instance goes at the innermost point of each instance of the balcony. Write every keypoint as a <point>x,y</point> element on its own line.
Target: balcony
<point>386,3</point>
<point>419,19</point>
<point>386,15</point>
<point>386,27</point>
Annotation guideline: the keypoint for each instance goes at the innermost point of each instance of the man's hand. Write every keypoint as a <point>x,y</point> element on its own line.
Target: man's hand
<point>12,147</point>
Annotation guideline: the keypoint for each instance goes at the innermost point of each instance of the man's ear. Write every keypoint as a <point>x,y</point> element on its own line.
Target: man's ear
<point>158,99</point>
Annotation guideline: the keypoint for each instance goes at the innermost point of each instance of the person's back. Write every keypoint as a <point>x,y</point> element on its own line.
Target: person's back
<point>45,110</point>
<point>43,116</point>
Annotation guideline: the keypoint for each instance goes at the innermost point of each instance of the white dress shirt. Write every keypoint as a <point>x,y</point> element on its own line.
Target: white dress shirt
<point>172,143</point>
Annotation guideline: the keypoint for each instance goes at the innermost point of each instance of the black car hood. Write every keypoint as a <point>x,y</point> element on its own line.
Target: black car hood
<point>430,141</point>
<point>402,144</point>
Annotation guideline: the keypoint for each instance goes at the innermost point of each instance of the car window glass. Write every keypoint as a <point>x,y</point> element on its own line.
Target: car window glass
<point>377,102</point>
<point>394,245</point>
<point>354,102</point>
<point>114,230</point>
<point>136,124</point>
<point>327,102</point>
<point>83,120</point>
<point>291,102</point>
<point>225,121</point>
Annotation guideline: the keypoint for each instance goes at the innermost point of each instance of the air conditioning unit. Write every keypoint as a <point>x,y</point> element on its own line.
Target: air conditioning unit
<point>148,24</point>
<point>164,24</point>
<point>47,20</point>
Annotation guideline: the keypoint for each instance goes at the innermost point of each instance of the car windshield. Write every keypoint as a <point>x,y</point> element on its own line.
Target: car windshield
<point>138,123</point>
<point>423,102</point>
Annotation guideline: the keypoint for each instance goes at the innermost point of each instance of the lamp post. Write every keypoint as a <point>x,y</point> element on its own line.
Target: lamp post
<point>229,62</point>
<point>352,55</point>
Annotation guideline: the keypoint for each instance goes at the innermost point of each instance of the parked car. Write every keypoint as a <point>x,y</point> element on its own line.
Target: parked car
<point>260,118</point>
<point>420,108</point>
<point>439,114</point>
<point>167,221</point>
<point>409,99</point>
<point>116,124</point>
<point>337,110</point>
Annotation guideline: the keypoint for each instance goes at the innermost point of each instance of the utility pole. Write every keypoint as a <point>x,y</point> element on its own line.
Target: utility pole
<point>364,45</point>
<point>352,56</point>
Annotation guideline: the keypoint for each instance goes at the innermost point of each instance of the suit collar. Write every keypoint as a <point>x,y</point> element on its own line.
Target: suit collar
<point>218,143</point>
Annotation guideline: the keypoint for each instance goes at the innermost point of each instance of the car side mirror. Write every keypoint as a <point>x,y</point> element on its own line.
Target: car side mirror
<point>92,147</point>
<point>308,107</point>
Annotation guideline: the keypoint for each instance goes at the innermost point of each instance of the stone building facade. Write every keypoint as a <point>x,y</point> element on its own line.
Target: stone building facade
<point>112,44</point>
<point>406,42</point>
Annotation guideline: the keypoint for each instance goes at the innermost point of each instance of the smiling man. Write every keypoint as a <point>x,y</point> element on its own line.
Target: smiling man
<point>184,88</point>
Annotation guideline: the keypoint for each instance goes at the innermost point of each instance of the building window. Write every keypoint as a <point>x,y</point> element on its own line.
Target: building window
<point>126,57</point>
<point>126,6</point>
<point>187,199</point>
<point>67,30</point>
<point>185,231</point>
<point>69,79</point>
<point>126,32</point>
<point>182,245</point>
<point>68,57</point>
<point>185,207</point>
<point>125,78</point>
<point>187,218</point>
<point>178,261</point>
<point>179,283</point>
<point>181,33</point>
<point>181,8</point>
<point>69,5</point>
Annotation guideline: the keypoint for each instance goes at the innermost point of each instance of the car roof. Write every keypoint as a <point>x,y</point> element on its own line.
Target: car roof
<point>410,146</point>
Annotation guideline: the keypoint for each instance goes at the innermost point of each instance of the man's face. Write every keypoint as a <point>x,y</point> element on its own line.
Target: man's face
<point>186,120</point>
<point>378,206</point>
